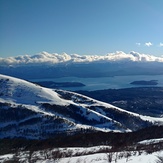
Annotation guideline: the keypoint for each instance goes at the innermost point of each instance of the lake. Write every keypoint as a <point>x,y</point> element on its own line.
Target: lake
<point>100,83</point>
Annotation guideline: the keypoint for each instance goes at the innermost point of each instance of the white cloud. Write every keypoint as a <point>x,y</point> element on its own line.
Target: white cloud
<point>148,44</point>
<point>138,43</point>
<point>161,44</point>
<point>54,58</point>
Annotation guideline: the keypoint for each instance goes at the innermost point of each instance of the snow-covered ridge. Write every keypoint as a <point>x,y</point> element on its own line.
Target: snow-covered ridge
<point>30,110</point>
<point>54,58</point>
<point>23,92</point>
<point>96,103</point>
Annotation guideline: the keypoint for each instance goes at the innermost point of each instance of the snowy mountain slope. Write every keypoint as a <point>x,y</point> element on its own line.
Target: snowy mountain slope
<point>89,102</point>
<point>28,110</point>
<point>23,92</point>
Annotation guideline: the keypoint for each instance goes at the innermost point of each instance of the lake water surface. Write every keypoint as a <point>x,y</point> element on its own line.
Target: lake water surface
<point>100,83</point>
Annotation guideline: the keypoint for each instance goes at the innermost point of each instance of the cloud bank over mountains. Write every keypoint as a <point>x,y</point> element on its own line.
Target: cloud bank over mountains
<point>54,58</point>
<point>47,65</point>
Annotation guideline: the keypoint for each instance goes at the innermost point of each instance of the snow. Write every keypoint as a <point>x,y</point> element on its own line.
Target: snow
<point>6,157</point>
<point>18,92</point>
<point>30,96</point>
<point>151,141</point>
<point>84,156</point>
<point>96,158</point>
<point>104,104</point>
<point>103,158</point>
<point>144,158</point>
<point>23,92</point>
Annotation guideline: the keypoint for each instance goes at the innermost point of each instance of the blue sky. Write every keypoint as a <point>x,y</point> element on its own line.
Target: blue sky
<point>81,26</point>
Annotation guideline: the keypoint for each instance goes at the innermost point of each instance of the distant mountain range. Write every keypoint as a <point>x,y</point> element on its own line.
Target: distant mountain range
<point>30,111</point>
<point>64,65</point>
<point>54,58</point>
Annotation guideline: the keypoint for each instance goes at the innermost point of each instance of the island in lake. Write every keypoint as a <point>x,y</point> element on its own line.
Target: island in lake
<point>51,84</point>
<point>144,82</point>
